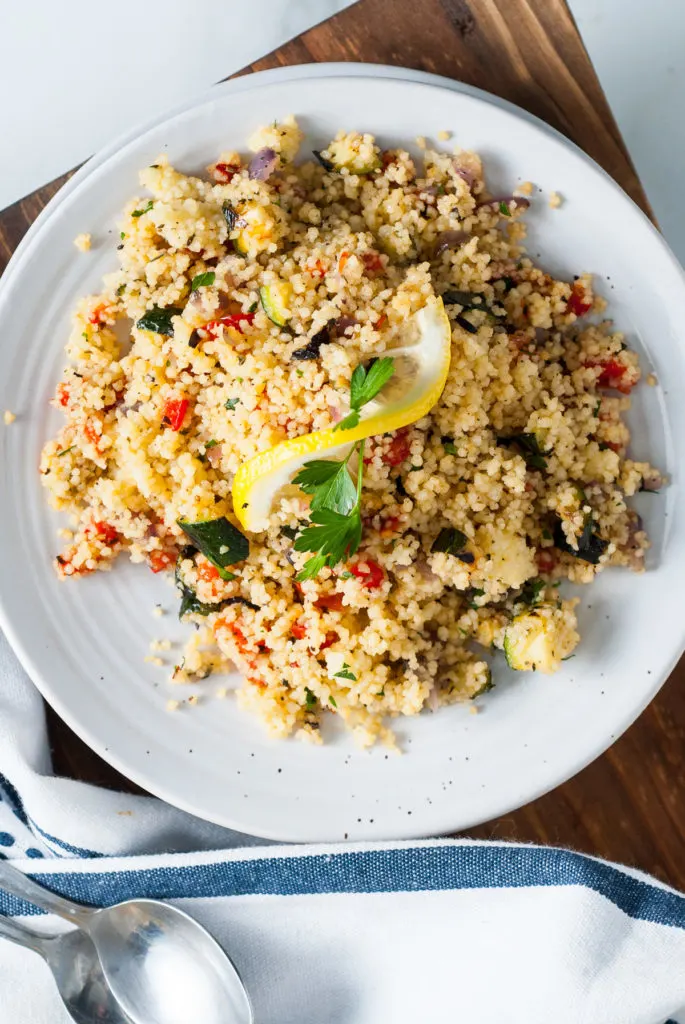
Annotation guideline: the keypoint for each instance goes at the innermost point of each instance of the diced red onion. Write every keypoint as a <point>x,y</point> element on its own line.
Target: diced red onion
<point>214,454</point>
<point>262,164</point>
<point>466,175</point>
<point>343,324</point>
<point>449,240</point>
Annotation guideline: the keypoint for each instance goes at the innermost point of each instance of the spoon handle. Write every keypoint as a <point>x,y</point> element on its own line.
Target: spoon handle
<point>14,881</point>
<point>22,936</point>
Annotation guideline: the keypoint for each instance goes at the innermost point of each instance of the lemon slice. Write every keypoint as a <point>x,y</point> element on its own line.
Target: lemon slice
<point>421,365</point>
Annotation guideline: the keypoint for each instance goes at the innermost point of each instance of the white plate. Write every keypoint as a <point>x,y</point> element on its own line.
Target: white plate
<point>84,642</point>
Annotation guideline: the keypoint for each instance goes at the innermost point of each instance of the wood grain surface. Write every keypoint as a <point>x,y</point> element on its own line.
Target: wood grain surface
<point>629,805</point>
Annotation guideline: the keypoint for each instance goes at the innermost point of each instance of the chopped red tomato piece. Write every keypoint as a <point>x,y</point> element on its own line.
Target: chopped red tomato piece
<point>317,269</point>
<point>233,320</point>
<point>373,263</point>
<point>612,376</point>
<point>160,560</point>
<point>369,573</point>
<point>398,449</point>
<point>224,173</point>
<point>577,303</point>
<point>92,435</point>
<point>329,641</point>
<point>546,560</point>
<point>344,257</point>
<point>96,317</point>
<point>106,532</point>
<point>63,395</point>
<point>207,572</point>
<point>381,322</point>
<point>298,630</point>
<point>329,602</point>
<point>174,412</point>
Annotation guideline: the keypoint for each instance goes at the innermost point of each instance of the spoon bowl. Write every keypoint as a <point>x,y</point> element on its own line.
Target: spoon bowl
<point>146,947</point>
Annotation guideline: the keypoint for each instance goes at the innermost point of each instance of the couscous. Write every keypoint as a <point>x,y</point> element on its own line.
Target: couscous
<point>248,305</point>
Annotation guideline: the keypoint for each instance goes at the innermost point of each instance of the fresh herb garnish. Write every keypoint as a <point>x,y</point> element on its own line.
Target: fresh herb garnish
<point>65,451</point>
<point>531,592</point>
<point>528,447</point>
<point>231,403</point>
<point>453,542</point>
<point>329,483</point>
<point>300,373</point>
<point>158,319</point>
<point>590,545</point>
<point>364,386</point>
<point>120,290</point>
<point>190,603</point>
<point>335,528</point>
<point>332,702</point>
<point>346,673</point>
<point>202,280</point>
<point>145,209</point>
<point>504,209</point>
<point>219,541</point>
<point>475,592</point>
<point>310,698</point>
<point>122,235</point>
<point>211,444</point>
<point>449,445</point>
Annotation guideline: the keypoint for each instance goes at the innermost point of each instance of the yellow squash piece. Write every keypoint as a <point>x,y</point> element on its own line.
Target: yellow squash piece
<point>421,366</point>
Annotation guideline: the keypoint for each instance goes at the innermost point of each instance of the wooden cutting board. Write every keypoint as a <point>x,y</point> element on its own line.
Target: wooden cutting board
<point>629,805</point>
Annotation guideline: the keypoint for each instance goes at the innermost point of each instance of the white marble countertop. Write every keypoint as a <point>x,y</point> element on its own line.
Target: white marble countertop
<point>74,75</point>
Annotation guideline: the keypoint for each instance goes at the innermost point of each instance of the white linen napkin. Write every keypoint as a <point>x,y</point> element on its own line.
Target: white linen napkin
<point>442,931</point>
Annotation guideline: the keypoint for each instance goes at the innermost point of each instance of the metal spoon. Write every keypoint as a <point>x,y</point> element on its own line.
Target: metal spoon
<point>75,966</point>
<point>161,966</point>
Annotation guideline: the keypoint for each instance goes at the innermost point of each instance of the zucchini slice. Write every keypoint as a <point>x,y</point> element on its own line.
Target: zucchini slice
<point>540,639</point>
<point>275,299</point>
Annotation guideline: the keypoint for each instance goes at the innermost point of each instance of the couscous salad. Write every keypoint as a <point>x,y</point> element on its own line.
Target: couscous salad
<point>367,434</point>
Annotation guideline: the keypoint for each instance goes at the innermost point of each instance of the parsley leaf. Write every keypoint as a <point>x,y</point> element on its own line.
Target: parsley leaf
<point>531,592</point>
<point>332,535</point>
<point>145,209</point>
<point>202,280</point>
<point>231,403</point>
<point>504,209</point>
<point>310,698</point>
<point>449,445</point>
<point>529,447</point>
<point>346,673</point>
<point>311,568</point>
<point>330,485</point>
<point>453,542</point>
<point>364,386</point>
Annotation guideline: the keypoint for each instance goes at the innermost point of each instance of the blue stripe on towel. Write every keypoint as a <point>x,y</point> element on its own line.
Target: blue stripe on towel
<point>403,869</point>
